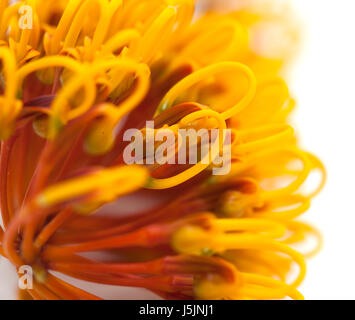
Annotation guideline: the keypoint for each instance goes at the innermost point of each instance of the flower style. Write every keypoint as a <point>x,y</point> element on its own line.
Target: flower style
<point>86,72</point>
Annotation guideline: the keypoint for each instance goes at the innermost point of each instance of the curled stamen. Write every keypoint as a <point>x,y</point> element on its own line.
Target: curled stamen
<point>197,76</point>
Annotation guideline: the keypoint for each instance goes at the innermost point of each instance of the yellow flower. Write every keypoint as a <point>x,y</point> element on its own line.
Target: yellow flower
<point>88,71</point>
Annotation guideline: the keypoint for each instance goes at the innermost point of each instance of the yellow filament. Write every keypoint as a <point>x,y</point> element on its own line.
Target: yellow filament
<point>85,78</point>
<point>7,15</point>
<point>64,24</point>
<point>105,184</point>
<point>300,179</point>
<point>269,228</point>
<point>120,39</point>
<point>48,62</point>
<point>156,36</point>
<point>77,24</point>
<point>268,104</point>
<point>317,165</point>
<point>185,13</point>
<point>194,240</point>
<point>217,43</point>
<point>204,163</point>
<point>260,287</point>
<point>9,67</point>
<point>303,204</point>
<point>274,134</point>
<point>206,72</point>
<point>3,6</point>
<point>9,106</point>
<point>301,232</point>
<point>107,13</point>
<point>59,113</point>
<point>126,66</point>
<point>252,159</point>
<point>100,137</point>
<point>216,288</point>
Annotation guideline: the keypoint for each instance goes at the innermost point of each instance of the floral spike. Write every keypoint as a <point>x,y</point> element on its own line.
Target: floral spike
<point>87,72</point>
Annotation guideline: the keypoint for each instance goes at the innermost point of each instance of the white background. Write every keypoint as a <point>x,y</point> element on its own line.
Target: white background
<point>324,85</point>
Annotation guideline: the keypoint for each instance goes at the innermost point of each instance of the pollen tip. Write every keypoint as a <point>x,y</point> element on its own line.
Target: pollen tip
<point>40,274</point>
<point>163,107</point>
<point>55,126</point>
<point>149,183</point>
<point>42,201</point>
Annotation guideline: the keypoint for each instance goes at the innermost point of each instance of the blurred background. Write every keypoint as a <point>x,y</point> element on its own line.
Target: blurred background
<point>322,80</point>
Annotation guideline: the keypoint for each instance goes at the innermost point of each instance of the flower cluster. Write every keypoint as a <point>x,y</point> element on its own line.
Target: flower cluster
<point>87,71</point>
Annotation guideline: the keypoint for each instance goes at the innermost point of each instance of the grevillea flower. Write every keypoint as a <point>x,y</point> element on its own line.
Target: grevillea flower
<point>87,71</point>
